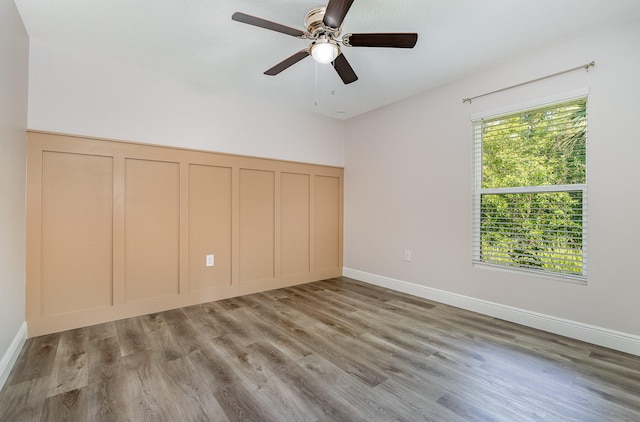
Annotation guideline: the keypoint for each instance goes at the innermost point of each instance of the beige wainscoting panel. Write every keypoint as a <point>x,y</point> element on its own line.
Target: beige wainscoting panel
<point>77,215</point>
<point>152,229</point>
<point>257,225</point>
<point>209,226</point>
<point>294,223</point>
<point>118,229</point>
<point>328,229</point>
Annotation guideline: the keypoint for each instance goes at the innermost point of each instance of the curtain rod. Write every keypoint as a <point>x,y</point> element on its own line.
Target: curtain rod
<point>584,66</point>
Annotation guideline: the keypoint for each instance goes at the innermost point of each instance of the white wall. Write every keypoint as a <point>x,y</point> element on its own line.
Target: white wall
<point>408,180</point>
<point>14,56</point>
<point>78,93</point>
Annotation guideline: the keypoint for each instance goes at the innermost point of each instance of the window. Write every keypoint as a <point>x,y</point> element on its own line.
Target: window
<point>530,204</point>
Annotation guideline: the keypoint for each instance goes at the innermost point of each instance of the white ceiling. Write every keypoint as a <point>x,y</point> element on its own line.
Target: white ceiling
<point>197,40</point>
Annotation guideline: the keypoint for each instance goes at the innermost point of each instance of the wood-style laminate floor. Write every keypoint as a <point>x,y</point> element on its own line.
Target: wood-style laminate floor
<point>335,350</point>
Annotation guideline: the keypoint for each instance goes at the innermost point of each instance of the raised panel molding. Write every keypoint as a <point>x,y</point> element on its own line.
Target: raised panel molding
<point>210,226</point>
<point>328,222</point>
<point>119,229</point>
<point>257,225</point>
<point>152,229</point>
<point>295,223</point>
<point>77,213</point>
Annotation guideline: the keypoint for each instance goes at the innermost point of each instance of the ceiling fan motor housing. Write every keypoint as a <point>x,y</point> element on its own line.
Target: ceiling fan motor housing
<point>315,26</point>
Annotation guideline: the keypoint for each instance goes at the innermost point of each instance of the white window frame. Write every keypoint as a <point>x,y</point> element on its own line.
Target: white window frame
<point>478,190</point>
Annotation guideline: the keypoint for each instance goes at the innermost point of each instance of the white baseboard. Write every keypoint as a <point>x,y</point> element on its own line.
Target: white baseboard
<point>617,340</point>
<point>11,355</point>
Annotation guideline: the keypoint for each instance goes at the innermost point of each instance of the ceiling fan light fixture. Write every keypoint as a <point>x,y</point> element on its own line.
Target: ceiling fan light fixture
<point>325,50</point>
<point>323,32</point>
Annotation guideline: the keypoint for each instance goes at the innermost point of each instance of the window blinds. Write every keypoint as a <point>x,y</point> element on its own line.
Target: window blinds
<point>529,208</point>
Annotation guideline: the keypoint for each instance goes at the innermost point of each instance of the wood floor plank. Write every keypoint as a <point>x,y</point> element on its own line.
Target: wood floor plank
<point>252,376</point>
<point>203,318</point>
<point>468,410</point>
<point>280,310</point>
<point>340,355</point>
<point>416,405</point>
<point>101,331</point>
<point>70,405</point>
<point>187,335</point>
<point>131,336</point>
<point>148,388</point>
<point>285,342</point>
<point>108,400</point>
<point>160,338</point>
<point>323,317</point>
<point>311,381</point>
<point>240,324</point>
<point>187,388</point>
<point>36,360</point>
<point>71,366</point>
<point>240,404</point>
<point>24,401</point>
<point>212,369</point>
<point>334,350</point>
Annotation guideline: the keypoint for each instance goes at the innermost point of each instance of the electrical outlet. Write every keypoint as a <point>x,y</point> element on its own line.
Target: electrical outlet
<point>407,256</point>
<point>210,261</point>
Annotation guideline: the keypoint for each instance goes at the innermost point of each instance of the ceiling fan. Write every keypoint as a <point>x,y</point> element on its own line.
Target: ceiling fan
<point>324,26</point>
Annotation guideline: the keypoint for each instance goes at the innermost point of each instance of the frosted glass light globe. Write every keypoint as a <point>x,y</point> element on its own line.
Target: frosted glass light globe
<point>325,51</point>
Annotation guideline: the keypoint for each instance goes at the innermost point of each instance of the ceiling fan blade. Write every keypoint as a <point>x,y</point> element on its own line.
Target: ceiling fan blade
<point>393,40</point>
<point>335,13</point>
<point>344,69</point>
<point>263,23</point>
<point>288,62</point>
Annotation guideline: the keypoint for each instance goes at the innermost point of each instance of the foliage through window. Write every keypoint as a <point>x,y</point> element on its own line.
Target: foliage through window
<point>530,189</point>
